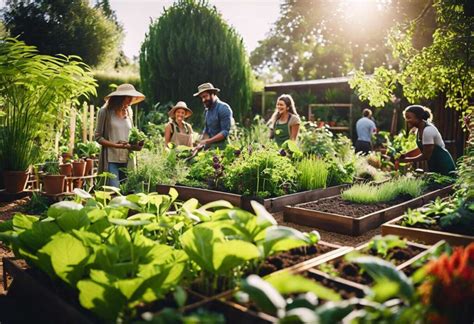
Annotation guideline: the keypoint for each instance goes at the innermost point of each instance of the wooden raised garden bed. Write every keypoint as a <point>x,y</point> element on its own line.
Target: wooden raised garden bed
<point>55,302</point>
<point>349,277</point>
<point>424,235</point>
<point>271,204</point>
<point>350,225</point>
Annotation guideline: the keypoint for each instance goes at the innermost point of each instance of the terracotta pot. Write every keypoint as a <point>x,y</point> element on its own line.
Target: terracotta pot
<point>15,181</point>
<point>65,169</point>
<point>53,184</point>
<point>89,166</point>
<point>332,123</point>
<point>320,124</point>
<point>413,153</point>
<point>78,168</point>
<point>77,183</point>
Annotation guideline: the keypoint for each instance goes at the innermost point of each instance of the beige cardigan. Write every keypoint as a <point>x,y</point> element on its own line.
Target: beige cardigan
<point>102,132</point>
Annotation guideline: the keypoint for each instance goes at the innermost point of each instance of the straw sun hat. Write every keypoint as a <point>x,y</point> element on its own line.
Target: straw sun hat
<point>180,105</point>
<point>127,90</point>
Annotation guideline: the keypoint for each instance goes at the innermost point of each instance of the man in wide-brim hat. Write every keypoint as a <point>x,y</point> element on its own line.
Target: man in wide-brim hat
<point>218,117</point>
<point>177,131</point>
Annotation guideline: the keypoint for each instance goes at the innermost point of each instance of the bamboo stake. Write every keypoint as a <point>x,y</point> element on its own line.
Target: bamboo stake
<point>91,123</point>
<point>84,122</point>
<point>72,129</point>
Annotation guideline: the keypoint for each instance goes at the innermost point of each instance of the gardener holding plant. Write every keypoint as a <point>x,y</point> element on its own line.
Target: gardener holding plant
<point>177,131</point>
<point>285,121</point>
<point>218,118</point>
<point>114,122</point>
<point>429,141</point>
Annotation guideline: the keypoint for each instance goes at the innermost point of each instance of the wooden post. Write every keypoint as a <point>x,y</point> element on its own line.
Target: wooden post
<point>263,103</point>
<point>84,122</point>
<point>91,123</point>
<point>72,129</point>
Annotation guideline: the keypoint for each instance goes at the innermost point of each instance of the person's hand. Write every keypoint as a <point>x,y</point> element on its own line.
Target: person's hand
<point>204,142</point>
<point>123,145</point>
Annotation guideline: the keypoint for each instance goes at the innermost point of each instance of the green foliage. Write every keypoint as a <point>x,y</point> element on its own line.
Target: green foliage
<point>442,67</point>
<point>416,217</point>
<point>176,57</point>
<point>372,194</point>
<point>155,167</point>
<point>313,173</point>
<point>107,81</point>
<point>313,39</point>
<point>136,136</point>
<point>88,149</point>
<point>70,28</point>
<point>40,86</point>
<point>383,244</point>
<point>263,173</point>
<point>403,142</point>
<point>461,220</point>
<point>257,132</point>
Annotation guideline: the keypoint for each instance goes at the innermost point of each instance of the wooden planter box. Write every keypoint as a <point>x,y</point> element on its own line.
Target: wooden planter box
<point>356,226</point>
<point>48,306</point>
<point>358,287</point>
<point>425,235</point>
<point>271,204</point>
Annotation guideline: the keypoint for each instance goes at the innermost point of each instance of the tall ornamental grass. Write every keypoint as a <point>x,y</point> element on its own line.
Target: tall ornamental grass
<point>372,194</point>
<point>313,173</point>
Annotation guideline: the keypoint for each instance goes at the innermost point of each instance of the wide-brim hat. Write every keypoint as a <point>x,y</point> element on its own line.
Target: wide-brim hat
<point>206,87</point>
<point>127,90</point>
<point>180,105</point>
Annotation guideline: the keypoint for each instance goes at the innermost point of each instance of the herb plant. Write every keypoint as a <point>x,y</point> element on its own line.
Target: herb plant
<point>383,244</point>
<point>136,136</point>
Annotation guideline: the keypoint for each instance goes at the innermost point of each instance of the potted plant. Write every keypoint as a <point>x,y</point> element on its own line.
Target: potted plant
<point>53,181</point>
<point>88,151</point>
<point>136,139</point>
<point>35,90</point>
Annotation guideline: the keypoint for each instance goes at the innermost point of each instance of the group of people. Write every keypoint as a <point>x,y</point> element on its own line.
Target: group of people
<point>115,121</point>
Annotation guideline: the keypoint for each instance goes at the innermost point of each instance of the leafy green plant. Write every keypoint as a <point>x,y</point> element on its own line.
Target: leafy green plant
<point>416,217</point>
<point>382,244</point>
<point>263,173</point>
<point>35,90</point>
<point>461,220</point>
<point>313,173</point>
<point>136,136</point>
<point>88,149</point>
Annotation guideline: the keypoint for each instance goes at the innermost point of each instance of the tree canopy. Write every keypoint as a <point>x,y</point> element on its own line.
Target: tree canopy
<point>319,39</point>
<point>443,67</point>
<point>66,27</point>
<point>191,44</point>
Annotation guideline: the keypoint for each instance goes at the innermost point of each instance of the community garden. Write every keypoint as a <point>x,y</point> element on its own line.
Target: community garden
<point>309,231</point>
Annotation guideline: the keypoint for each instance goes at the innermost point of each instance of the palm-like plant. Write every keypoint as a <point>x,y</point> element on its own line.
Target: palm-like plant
<point>34,91</point>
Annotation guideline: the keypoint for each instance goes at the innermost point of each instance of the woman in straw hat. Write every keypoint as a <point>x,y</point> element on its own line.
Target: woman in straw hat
<point>177,131</point>
<point>114,122</point>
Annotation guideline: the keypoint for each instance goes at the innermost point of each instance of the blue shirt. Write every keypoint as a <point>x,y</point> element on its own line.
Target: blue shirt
<point>365,127</point>
<point>218,119</point>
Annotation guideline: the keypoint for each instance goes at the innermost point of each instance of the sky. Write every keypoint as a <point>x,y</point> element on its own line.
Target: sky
<point>251,18</point>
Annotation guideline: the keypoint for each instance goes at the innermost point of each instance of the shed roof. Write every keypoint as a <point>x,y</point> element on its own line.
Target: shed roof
<point>309,84</point>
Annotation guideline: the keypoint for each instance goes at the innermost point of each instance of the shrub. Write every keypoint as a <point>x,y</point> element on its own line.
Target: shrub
<point>263,173</point>
<point>188,45</point>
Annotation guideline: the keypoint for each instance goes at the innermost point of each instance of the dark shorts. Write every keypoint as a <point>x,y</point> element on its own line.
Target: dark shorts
<point>363,146</point>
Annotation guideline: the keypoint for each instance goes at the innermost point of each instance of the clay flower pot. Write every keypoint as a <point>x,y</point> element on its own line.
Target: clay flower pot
<point>89,166</point>
<point>78,168</point>
<point>65,169</point>
<point>53,184</point>
<point>15,181</point>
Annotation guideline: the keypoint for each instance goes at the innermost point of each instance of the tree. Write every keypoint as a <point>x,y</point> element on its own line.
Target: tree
<point>318,39</point>
<point>443,67</point>
<point>191,44</point>
<point>65,27</point>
